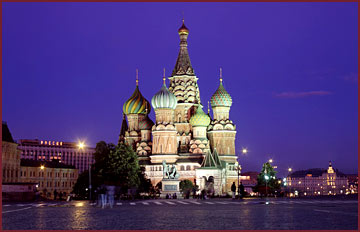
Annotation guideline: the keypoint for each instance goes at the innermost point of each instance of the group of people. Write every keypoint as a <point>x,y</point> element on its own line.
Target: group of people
<point>241,190</point>
<point>169,196</point>
<point>105,196</point>
<point>60,194</point>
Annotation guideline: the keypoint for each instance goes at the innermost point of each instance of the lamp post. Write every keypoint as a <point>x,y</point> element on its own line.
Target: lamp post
<point>81,146</point>
<point>290,187</point>
<point>238,168</point>
<point>42,168</point>
<point>90,182</point>
<point>266,178</point>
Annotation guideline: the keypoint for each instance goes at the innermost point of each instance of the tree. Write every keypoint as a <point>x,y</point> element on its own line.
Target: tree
<point>121,168</point>
<point>186,187</point>
<point>114,165</point>
<point>82,184</point>
<point>266,180</point>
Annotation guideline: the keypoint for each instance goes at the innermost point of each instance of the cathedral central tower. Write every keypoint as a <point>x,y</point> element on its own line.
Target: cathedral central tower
<point>183,84</point>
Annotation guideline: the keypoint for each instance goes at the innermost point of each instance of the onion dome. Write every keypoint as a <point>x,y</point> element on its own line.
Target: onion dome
<point>183,29</point>
<point>221,97</point>
<point>146,124</point>
<point>164,98</point>
<point>200,118</point>
<point>136,104</point>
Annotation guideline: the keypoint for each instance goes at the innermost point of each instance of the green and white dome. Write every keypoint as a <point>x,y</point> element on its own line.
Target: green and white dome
<point>164,99</point>
<point>200,118</point>
<point>221,97</point>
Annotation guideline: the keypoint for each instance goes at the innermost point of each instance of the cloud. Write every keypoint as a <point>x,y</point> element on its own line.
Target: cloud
<point>352,77</point>
<point>302,94</point>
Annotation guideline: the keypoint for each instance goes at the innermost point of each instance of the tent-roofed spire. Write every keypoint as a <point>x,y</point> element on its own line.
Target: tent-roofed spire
<point>183,64</point>
<point>124,128</point>
<point>211,160</point>
<point>216,158</point>
<point>208,161</point>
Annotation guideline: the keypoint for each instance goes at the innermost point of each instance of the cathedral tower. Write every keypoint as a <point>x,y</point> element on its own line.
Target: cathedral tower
<point>164,131</point>
<point>221,130</point>
<point>199,122</point>
<point>183,84</point>
<point>136,109</point>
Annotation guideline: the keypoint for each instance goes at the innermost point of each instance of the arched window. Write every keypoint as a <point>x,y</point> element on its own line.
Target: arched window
<point>181,168</point>
<point>188,168</point>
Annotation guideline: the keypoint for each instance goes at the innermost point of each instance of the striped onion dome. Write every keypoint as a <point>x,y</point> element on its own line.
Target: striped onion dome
<point>136,104</point>
<point>221,97</point>
<point>164,99</point>
<point>200,118</point>
<point>146,124</point>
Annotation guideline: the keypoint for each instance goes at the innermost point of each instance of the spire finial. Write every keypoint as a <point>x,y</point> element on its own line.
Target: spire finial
<point>164,77</point>
<point>183,17</point>
<point>137,77</point>
<point>221,75</point>
<point>209,107</point>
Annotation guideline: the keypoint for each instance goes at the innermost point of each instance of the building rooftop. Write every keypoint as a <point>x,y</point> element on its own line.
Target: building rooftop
<point>49,143</point>
<point>6,134</point>
<point>314,172</point>
<point>46,164</point>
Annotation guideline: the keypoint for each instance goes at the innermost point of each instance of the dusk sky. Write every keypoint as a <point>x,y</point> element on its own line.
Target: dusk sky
<point>291,69</point>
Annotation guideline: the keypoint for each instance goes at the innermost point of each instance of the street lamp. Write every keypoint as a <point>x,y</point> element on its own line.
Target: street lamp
<point>238,168</point>
<point>244,151</point>
<point>42,167</point>
<point>270,160</point>
<point>266,179</point>
<point>290,169</point>
<point>81,145</point>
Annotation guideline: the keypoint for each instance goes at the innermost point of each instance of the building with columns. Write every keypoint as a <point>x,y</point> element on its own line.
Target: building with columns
<point>200,146</point>
<point>317,182</point>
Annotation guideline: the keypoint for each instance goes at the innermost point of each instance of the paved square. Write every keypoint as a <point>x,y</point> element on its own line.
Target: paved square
<point>221,214</point>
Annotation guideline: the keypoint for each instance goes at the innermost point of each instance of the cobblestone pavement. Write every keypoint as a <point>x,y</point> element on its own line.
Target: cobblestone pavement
<point>224,214</point>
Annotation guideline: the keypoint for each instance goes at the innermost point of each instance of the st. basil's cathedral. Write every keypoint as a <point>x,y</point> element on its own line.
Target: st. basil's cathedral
<point>201,146</point>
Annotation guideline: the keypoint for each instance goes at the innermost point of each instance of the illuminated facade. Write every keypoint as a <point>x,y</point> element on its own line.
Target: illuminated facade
<point>182,134</point>
<point>48,176</point>
<point>10,156</point>
<point>317,182</point>
<point>65,152</point>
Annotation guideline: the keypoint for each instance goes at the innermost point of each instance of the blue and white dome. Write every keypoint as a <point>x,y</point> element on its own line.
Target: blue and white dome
<point>164,99</point>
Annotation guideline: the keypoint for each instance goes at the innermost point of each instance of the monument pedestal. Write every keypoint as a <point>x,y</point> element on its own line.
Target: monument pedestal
<point>170,186</point>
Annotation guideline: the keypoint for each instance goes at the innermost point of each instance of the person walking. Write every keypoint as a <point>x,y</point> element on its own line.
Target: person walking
<point>55,194</point>
<point>110,192</point>
<point>242,190</point>
<point>233,190</point>
<point>103,196</point>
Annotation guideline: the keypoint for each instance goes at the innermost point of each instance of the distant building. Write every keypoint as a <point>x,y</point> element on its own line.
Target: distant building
<point>65,152</point>
<point>353,183</point>
<point>10,156</point>
<point>317,182</point>
<point>49,176</point>
<point>249,180</point>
